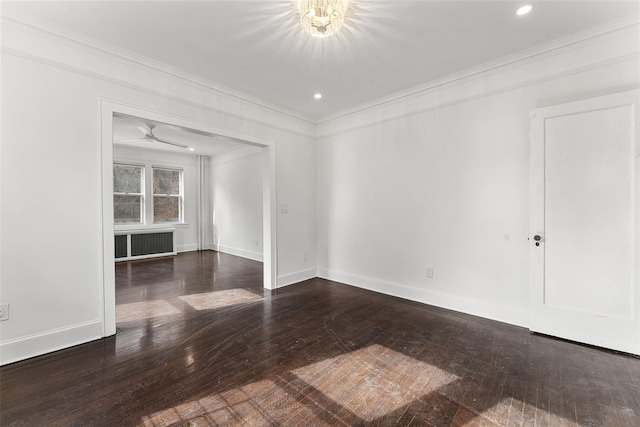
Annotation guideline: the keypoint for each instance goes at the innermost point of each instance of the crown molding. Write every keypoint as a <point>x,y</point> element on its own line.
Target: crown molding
<point>206,107</point>
<point>74,39</point>
<point>322,133</point>
<point>452,79</point>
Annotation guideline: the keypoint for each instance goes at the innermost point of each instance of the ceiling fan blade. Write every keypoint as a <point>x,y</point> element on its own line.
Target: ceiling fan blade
<point>164,141</point>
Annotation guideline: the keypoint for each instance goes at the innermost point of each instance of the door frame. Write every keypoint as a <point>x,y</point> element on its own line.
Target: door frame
<point>537,202</point>
<point>108,108</point>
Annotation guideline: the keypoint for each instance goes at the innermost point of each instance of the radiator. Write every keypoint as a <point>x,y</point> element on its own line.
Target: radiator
<point>139,244</point>
<point>121,246</point>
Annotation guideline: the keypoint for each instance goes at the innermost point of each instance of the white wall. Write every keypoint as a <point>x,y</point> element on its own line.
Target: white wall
<point>52,250</point>
<point>236,207</point>
<point>434,178</point>
<point>186,234</point>
<point>440,179</point>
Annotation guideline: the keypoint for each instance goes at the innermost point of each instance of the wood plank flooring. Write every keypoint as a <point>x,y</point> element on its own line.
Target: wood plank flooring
<point>200,343</point>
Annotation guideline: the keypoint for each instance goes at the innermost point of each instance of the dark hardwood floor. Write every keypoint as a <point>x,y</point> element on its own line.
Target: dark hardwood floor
<point>200,343</point>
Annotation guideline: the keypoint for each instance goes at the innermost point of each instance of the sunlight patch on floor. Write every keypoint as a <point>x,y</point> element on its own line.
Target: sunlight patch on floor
<point>218,299</point>
<point>521,413</point>
<point>361,385</point>
<point>211,410</point>
<point>238,406</point>
<point>371,377</point>
<point>144,310</point>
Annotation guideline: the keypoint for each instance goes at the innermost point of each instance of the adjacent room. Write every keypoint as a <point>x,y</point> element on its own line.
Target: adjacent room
<point>167,181</point>
<point>320,212</point>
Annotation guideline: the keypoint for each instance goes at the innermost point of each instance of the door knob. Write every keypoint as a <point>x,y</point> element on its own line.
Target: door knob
<point>537,238</point>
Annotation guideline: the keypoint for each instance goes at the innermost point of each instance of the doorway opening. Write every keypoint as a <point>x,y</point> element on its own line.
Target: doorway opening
<point>148,120</point>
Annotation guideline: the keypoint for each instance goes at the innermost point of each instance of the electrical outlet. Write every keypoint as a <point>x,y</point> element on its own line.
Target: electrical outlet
<point>4,312</point>
<point>306,256</point>
<point>257,243</point>
<point>429,272</point>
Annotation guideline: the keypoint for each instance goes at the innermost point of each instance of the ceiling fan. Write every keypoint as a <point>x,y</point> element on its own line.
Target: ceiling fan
<point>149,136</point>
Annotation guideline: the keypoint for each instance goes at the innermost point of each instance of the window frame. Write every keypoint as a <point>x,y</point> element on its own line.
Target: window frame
<point>142,219</point>
<point>179,196</point>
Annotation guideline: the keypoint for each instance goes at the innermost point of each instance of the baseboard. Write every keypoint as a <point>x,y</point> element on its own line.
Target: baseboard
<point>478,308</point>
<point>57,339</point>
<point>256,256</point>
<point>296,277</point>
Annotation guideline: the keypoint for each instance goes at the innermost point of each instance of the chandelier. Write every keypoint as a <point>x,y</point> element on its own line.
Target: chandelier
<point>321,18</point>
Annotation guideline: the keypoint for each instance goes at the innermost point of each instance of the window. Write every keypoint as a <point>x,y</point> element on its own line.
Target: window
<point>167,195</point>
<point>147,194</point>
<point>128,193</point>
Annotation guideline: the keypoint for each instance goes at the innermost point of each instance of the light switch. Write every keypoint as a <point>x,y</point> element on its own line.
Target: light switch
<point>284,208</point>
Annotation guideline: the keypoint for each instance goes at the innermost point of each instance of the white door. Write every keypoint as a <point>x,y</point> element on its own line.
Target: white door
<point>584,224</point>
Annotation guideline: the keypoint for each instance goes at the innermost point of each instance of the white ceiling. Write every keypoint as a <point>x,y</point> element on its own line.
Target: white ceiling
<point>258,48</point>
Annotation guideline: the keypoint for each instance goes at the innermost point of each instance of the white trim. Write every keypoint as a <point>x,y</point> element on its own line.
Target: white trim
<point>243,253</point>
<point>269,218</point>
<point>485,309</point>
<point>116,161</point>
<point>457,78</point>
<point>170,95</point>
<point>139,257</point>
<point>296,277</point>
<point>46,342</point>
<point>201,202</point>
<point>108,108</point>
<point>142,230</point>
<point>147,228</point>
<point>74,39</point>
<point>107,290</point>
<point>168,168</point>
<point>441,100</point>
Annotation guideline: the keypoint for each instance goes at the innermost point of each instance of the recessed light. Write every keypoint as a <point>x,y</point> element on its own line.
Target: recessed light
<point>524,10</point>
<point>192,149</point>
<point>317,95</point>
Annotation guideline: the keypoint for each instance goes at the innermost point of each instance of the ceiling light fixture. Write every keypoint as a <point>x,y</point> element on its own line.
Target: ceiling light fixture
<point>322,18</point>
<point>192,149</point>
<point>317,95</point>
<point>524,10</point>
